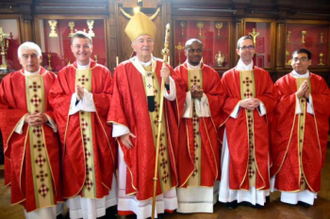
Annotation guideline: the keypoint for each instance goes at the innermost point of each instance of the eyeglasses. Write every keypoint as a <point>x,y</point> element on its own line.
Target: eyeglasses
<point>246,47</point>
<point>303,59</point>
<point>26,56</point>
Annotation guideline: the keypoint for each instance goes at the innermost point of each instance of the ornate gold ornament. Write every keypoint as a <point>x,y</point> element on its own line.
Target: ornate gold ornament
<point>179,47</point>
<point>4,47</point>
<point>219,58</point>
<point>52,25</point>
<point>90,24</point>
<point>200,25</point>
<point>71,25</point>
<point>218,25</point>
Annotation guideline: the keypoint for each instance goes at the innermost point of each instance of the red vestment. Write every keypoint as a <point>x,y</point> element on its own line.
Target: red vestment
<point>237,129</point>
<point>73,155</point>
<point>131,110</point>
<point>284,149</point>
<point>210,145</point>
<point>13,106</point>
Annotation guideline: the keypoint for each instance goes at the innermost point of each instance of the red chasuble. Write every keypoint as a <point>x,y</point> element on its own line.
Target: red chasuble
<point>293,165</point>
<point>76,170</point>
<point>131,110</point>
<point>32,158</point>
<point>237,129</point>
<point>200,147</point>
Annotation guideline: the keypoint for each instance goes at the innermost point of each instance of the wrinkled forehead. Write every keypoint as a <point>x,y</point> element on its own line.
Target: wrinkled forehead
<point>144,37</point>
<point>29,52</point>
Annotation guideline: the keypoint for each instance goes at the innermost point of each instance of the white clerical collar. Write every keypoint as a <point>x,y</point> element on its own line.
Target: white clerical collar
<point>84,66</point>
<point>193,66</point>
<point>241,65</point>
<point>140,65</point>
<point>297,75</point>
<point>148,63</point>
<point>32,73</point>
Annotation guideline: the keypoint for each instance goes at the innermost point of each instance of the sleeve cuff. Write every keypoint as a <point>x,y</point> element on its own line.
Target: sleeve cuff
<point>172,95</point>
<point>202,107</point>
<point>119,130</point>
<point>262,109</point>
<point>187,112</point>
<point>19,127</point>
<point>235,112</point>
<point>51,123</point>
<point>88,102</point>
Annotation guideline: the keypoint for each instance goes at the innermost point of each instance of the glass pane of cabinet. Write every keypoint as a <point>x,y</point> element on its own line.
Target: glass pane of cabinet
<point>313,37</point>
<point>9,43</point>
<point>55,40</point>
<point>261,33</point>
<point>215,35</point>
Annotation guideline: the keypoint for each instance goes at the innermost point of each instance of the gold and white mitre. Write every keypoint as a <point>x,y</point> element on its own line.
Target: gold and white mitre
<point>140,24</point>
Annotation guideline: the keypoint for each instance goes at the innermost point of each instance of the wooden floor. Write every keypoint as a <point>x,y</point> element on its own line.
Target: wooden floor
<point>274,209</point>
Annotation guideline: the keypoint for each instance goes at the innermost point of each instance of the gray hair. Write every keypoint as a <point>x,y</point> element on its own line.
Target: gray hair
<point>81,34</point>
<point>240,40</point>
<point>30,46</point>
<point>191,41</point>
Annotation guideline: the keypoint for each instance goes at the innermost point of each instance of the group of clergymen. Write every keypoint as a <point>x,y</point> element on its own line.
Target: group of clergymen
<point>252,136</point>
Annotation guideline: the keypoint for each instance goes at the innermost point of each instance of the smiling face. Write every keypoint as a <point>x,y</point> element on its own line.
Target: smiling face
<point>246,51</point>
<point>143,46</point>
<point>82,50</point>
<point>300,63</point>
<point>29,60</point>
<point>194,53</point>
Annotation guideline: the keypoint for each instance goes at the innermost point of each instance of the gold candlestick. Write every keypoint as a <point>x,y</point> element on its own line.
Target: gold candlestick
<point>254,35</point>
<point>96,58</point>
<point>288,36</point>
<point>182,24</point>
<point>90,24</point>
<point>200,25</point>
<point>49,62</point>
<point>219,58</point>
<point>179,47</point>
<point>321,59</point>
<point>71,25</point>
<point>52,24</point>
<point>321,38</point>
<point>218,25</point>
<point>303,35</point>
<point>4,47</point>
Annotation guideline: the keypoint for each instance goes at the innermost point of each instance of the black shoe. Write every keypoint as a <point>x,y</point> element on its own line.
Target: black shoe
<point>268,198</point>
<point>304,204</point>
<point>231,205</point>
<point>251,205</point>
